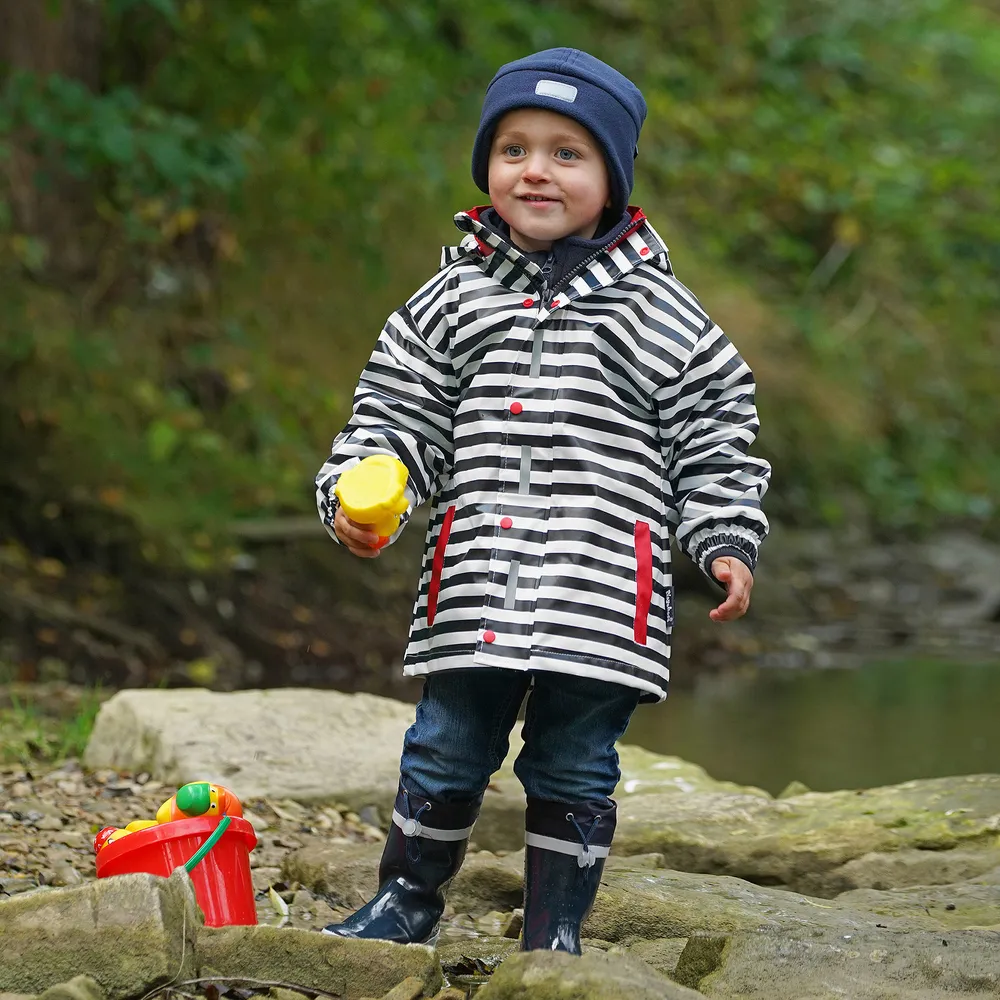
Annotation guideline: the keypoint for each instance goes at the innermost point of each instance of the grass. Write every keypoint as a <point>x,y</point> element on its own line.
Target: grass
<point>34,730</point>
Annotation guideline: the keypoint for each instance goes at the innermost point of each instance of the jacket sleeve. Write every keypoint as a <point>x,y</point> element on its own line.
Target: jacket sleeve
<point>708,421</point>
<point>404,404</point>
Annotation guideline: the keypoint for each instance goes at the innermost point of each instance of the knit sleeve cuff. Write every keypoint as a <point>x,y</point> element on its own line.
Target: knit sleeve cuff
<point>725,544</point>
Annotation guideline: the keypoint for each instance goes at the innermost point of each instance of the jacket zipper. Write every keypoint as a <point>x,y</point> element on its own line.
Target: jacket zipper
<point>548,294</point>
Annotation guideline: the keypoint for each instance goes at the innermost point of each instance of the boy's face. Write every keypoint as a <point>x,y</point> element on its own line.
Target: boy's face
<point>548,178</point>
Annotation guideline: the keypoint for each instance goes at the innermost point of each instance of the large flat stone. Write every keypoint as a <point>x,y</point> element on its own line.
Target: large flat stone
<point>346,968</point>
<point>308,745</point>
<point>283,743</point>
<point>130,934</point>
<point>501,827</point>
<point>870,964</point>
<point>971,904</point>
<point>804,841</point>
<point>909,866</point>
<point>646,904</point>
<point>595,975</point>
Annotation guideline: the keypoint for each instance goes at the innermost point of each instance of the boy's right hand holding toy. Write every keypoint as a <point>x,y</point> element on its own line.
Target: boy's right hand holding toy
<point>359,539</point>
<point>372,497</point>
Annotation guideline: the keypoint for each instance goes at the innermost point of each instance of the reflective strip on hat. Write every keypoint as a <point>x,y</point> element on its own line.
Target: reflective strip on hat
<point>560,91</point>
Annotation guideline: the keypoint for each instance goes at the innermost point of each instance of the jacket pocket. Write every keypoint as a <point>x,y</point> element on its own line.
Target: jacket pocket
<point>643,579</point>
<point>438,564</point>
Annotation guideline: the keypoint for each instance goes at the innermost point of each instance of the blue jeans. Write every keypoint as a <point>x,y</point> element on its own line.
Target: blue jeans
<point>461,734</point>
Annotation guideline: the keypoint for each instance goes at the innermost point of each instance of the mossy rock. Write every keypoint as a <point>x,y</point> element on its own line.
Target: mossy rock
<point>646,905</point>
<point>539,975</point>
<point>803,841</point>
<point>870,964</point>
<point>342,966</point>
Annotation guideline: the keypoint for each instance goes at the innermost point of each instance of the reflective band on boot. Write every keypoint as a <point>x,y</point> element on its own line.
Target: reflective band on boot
<point>417,864</point>
<point>565,850</point>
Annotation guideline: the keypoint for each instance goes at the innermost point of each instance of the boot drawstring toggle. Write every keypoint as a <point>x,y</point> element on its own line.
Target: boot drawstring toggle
<point>586,858</point>
<point>412,829</point>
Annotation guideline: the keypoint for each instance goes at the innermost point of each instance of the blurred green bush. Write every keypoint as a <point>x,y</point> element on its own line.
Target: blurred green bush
<point>260,184</point>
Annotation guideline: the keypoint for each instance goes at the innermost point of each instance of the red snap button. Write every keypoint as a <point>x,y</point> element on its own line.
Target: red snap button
<point>556,303</point>
<point>528,303</point>
<point>489,636</point>
<point>506,522</point>
<point>516,408</point>
<point>644,251</point>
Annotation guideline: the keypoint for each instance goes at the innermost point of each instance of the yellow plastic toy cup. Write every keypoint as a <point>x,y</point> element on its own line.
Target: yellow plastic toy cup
<point>372,492</point>
<point>140,824</point>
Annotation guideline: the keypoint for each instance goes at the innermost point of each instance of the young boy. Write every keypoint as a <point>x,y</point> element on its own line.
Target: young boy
<point>566,402</point>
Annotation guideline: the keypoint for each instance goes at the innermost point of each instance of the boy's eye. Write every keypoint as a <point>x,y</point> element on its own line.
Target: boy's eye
<point>513,151</point>
<point>566,154</point>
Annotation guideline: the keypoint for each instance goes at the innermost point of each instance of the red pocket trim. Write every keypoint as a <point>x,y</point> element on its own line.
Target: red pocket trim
<point>643,579</point>
<point>438,564</point>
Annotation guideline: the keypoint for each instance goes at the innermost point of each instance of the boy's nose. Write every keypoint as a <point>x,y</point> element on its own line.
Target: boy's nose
<point>535,168</point>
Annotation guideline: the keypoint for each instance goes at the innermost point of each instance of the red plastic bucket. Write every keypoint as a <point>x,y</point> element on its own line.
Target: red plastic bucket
<point>222,883</point>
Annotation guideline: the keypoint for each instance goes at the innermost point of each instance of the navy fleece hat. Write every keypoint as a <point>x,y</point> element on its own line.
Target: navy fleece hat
<point>579,86</point>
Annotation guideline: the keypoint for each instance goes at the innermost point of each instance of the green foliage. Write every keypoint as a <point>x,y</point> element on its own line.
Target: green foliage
<point>144,152</point>
<point>33,734</point>
<point>834,132</point>
<point>832,156</point>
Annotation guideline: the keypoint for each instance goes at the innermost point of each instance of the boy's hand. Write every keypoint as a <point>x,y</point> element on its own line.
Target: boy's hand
<point>738,581</point>
<point>357,538</point>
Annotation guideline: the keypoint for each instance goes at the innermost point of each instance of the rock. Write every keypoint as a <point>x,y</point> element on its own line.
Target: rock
<point>973,566</point>
<point>792,789</point>
<point>347,876</point>
<point>129,933</point>
<point>661,953</point>
<point>962,905</point>
<point>78,988</point>
<point>344,875</point>
<point>539,975</point>
<point>501,823</point>
<point>648,905</point>
<point>254,742</point>
<point>475,957</point>
<point>408,989</point>
<point>702,955</point>
<point>804,841</point>
<point>909,867</point>
<point>870,964</point>
<point>348,968</point>
<point>48,823</point>
<point>353,742</point>
<point>486,882</point>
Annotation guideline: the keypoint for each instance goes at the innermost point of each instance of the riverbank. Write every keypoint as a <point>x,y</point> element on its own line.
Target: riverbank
<point>884,892</point>
<point>299,611</point>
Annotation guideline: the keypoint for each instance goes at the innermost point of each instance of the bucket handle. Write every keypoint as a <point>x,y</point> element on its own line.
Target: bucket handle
<point>190,865</point>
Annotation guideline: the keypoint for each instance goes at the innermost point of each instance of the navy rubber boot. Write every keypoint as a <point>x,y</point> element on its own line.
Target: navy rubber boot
<point>565,850</point>
<point>424,849</point>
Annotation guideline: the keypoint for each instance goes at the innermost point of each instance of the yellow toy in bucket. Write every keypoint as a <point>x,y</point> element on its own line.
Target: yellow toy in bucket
<point>372,492</point>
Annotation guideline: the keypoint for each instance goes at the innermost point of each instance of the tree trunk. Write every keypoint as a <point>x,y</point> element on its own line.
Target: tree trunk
<point>45,38</point>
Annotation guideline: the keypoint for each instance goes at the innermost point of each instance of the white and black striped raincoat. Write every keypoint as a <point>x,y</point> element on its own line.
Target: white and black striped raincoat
<point>562,438</point>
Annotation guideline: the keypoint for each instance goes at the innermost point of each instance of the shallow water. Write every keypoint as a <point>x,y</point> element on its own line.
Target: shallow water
<point>880,724</point>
